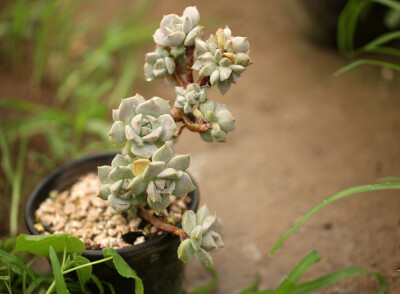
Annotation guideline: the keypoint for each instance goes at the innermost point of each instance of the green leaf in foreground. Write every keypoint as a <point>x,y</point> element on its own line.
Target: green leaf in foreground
<point>39,244</point>
<point>334,277</point>
<point>210,286</point>
<point>84,272</point>
<point>61,287</point>
<point>367,62</point>
<point>15,260</point>
<point>98,283</point>
<point>124,269</point>
<point>253,287</point>
<point>342,194</point>
<point>291,280</point>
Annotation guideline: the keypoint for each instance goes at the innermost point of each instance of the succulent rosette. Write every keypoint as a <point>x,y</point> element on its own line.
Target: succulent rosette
<point>187,98</point>
<point>142,126</point>
<point>219,116</point>
<point>178,31</point>
<point>115,180</point>
<point>222,58</point>
<point>158,64</point>
<point>163,176</point>
<point>204,231</point>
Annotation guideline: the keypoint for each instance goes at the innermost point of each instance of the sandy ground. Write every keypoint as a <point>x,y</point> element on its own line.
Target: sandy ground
<point>302,135</point>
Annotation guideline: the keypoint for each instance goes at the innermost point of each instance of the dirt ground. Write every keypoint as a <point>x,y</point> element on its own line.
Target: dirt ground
<point>302,135</point>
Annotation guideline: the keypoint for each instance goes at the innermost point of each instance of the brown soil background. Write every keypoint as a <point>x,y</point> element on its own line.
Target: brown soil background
<point>302,135</point>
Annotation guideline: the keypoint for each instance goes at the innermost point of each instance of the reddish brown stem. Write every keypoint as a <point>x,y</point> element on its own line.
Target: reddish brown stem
<point>189,64</point>
<point>179,132</point>
<point>203,81</point>
<point>159,224</point>
<point>198,126</point>
<point>178,79</point>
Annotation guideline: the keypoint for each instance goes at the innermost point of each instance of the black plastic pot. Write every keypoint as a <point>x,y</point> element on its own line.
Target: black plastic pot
<point>155,261</point>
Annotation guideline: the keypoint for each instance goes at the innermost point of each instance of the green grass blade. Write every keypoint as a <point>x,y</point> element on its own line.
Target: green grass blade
<point>342,194</point>
<point>6,157</point>
<point>292,279</point>
<point>327,280</point>
<point>16,187</point>
<point>252,287</point>
<point>61,287</point>
<point>384,50</point>
<point>365,62</point>
<point>98,283</point>
<point>389,179</point>
<point>15,260</point>
<point>210,286</point>
<point>383,39</point>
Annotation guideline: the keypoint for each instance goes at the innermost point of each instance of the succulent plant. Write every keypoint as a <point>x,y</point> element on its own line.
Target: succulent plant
<point>176,31</point>
<point>158,64</point>
<point>187,98</point>
<point>142,125</point>
<point>204,232</point>
<point>220,117</point>
<point>163,176</point>
<point>222,58</point>
<point>115,180</point>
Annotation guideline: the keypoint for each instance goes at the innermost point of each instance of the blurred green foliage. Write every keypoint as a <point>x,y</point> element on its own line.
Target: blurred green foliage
<point>83,68</point>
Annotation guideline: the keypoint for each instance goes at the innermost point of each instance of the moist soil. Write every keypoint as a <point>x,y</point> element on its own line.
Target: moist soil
<point>302,135</point>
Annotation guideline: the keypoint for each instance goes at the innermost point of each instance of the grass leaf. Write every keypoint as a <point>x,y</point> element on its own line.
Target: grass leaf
<point>342,194</point>
<point>98,283</point>
<point>84,272</point>
<point>61,287</point>
<point>252,287</point>
<point>365,62</point>
<point>327,280</point>
<point>15,260</point>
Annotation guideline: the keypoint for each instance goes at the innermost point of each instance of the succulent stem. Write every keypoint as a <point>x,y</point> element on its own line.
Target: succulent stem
<point>159,224</point>
<point>198,126</point>
<point>178,79</point>
<point>189,64</point>
<point>204,81</point>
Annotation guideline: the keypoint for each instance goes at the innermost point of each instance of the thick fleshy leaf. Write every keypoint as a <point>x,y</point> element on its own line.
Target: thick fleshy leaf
<point>164,153</point>
<point>117,133</point>
<point>179,162</point>
<point>163,104</point>
<point>169,19</point>
<point>168,127</point>
<point>192,35</point>
<point>119,204</point>
<point>217,239</point>
<point>169,173</point>
<point>206,137</point>
<point>132,136</point>
<point>214,78</point>
<point>149,108</point>
<point>138,199</point>
<point>201,214</point>
<point>139,166</point>
<point>152,193</point>
<point>193,14</point>
<point>119,173</point>
<point>240,44</point>
<point>185,251</point>
<point>208,223</point>
<point>153,136</point>
<point>189,221</point>
<point>120,160</point>
<point>159,206</point>
<point>169,65</point>
<point>153,169</point>
<point>195,237</point>
<point>103,172</point>
<point>146,151</point>
<point>226,121</point>
<point>136,123</point>
<point>224,73</point>
<point>208,243</point>
<point>104,192</point>
<point>201,45</point>
<point>187,24</point>
<point>138,185</point>
<point>223,87</point>
<point>206,106</point>
<point>207,70</point>
<point>237,69</point>
<point>184,185</point>
<point>116,187</point>
<point>204,257</point>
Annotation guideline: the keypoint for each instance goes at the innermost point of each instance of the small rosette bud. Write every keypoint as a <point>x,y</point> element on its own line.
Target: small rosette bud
<point>187,98</point>
<point>221,119</point>
<point>204,231</point>
<point>142,125</point>
<point>115,180</point>
<point>177,30</point>
<point>158,64</point>
<point>222,58</point>
<point>165,175</point>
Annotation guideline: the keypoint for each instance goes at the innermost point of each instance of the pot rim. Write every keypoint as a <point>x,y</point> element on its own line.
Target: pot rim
<point>98,253</point>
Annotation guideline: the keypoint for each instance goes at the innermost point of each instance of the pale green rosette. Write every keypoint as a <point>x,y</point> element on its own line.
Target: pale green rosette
<point>187,98</point>
<point>219,116</point>
<point>222,58</point>
<point>204,231</point>
<point>115,180</point>
<point>163,176</point>
<point>142,126</point>
<point>158,64</point>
